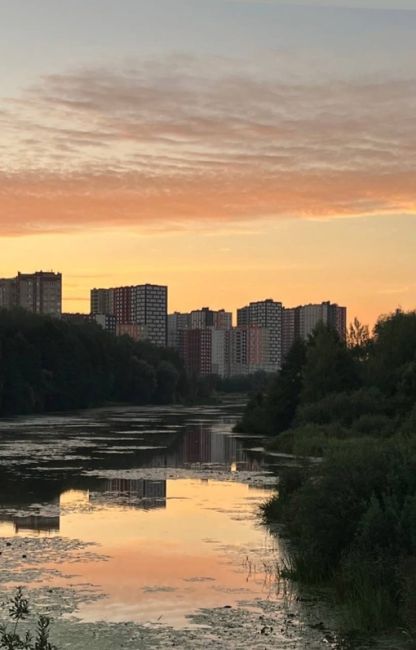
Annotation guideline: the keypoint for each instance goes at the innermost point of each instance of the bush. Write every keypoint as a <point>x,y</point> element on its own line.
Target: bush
<point>352,518</point>
<point>344,408</point>
<point>18,612</point>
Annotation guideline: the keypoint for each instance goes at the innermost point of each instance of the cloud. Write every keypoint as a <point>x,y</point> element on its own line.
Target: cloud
<point>383,5</point>
<point>181,142</point>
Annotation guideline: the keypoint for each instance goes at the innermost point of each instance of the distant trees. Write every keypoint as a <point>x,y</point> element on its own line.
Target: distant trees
<point>342,381</point>
<point>47,364</point>
<point>358,337</point>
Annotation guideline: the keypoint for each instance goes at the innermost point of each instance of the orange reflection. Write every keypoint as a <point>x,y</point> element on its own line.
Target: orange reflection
<point>204,549</point>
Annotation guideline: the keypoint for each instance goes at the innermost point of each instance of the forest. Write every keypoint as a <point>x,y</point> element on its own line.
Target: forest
<point>48,364</point>
<point>347,411</point>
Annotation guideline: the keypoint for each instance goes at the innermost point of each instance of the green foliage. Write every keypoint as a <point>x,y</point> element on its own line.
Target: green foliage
<point>352,517</point>
<point>47,364</point>
<point>166,380</point>
<point>329,366</point>
<point>344,407</point>
<point>284,394</point>
<point>254,418</point>
<point>391,363</point>
<point>272,411</point>
<point>253,383</point>
<point>18,612</point>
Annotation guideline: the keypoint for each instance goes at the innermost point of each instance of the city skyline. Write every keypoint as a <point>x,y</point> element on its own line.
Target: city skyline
<point>243,147</point>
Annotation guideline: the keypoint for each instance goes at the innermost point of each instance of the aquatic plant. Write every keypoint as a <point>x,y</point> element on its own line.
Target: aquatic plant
<point>10,638</point>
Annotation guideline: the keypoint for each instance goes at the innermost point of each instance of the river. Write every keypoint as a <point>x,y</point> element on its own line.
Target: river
<point>138,527</point>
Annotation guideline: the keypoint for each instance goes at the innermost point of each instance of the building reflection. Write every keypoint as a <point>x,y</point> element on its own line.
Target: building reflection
<point>34,522</point>
<point>145,494</point>
<point>199,445</point>
<point>35,503</point>
<point>37,523</point>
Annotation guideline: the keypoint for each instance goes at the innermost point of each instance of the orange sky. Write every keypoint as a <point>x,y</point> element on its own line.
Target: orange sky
<point>234,152</point>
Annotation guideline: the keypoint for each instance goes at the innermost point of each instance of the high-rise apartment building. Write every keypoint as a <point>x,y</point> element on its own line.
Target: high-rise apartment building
<point>102,301</point>
<point>40,292</point>
<point>266,314</point>
<point>8,297</point>
<point>290,328</point>
<point>299,322</point>
<point>327,313</point>
<point>264,334</point>
<point>144,305</point>
<point>196,351</point>
<point>108,322</point>
<point>133,330</point>
<point>206,317</point>
<point>337,318</point>
<point>177,322</point>
<point>250,350</point>
<point>149,306</point>
<point>123,304</point>
<point>220,352</point>
<point>239,351</point>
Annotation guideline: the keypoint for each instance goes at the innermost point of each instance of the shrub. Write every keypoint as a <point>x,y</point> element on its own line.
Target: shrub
<point>19,612</point>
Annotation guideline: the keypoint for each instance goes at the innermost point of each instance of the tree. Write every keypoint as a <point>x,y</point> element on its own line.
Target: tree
<point>358,339</point>
<point>167,377</point>
<point>330,367</point>
<point>393,353</point>
<point>285,391</point>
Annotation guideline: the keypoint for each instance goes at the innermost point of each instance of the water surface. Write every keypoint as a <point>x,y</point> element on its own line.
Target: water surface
<point>158,491</point>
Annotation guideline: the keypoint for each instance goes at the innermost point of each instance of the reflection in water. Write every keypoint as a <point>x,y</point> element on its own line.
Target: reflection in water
<point>38,523</point>
<point>46,522</point>
<point>203,550</point>
<point>173,545</point>
<point>140,493</point>
<point>33,523</point>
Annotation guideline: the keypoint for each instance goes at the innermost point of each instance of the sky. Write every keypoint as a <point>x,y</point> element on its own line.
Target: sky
<point>235,150</point>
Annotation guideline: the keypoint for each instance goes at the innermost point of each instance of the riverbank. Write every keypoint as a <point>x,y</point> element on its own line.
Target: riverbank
<point>351,518</point>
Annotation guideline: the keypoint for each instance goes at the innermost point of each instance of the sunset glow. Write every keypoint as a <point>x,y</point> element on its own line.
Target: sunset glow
<point>233,150</point>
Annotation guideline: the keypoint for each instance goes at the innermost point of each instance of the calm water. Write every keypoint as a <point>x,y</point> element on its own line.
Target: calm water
<point>146,485</point>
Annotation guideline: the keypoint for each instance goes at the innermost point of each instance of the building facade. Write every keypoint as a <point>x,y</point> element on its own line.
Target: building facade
<point>144,305</point>
<point>265,314</point>
<point>196,351</point>
<point>102,301</point>
<point>290,328</point>
<point>250,350</point>
<point>8,295</point>
<point>326,312</point>
<point>133,330</point>
<point>300,322</point>
<point>149,307</point>
<point>39,293</point>
<point>177,323</point>
<point>108,322</point>
<point>206,317</point>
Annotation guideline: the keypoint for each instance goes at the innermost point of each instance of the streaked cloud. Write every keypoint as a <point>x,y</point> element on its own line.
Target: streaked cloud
<point>393,5</point>
<point>180,141</point>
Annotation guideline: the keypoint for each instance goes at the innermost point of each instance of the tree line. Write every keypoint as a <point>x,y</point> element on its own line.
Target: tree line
<point>51,365</point>
<point>351,518</point>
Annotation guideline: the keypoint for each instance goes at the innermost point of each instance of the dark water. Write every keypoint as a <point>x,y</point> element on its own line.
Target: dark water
<point>157,490</point>
<point>149,515</point>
